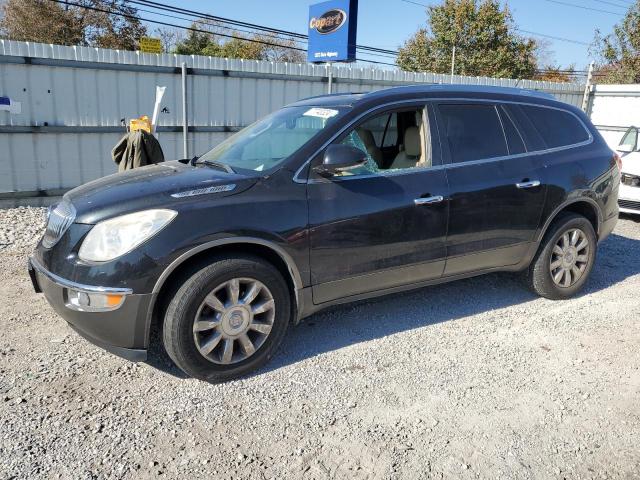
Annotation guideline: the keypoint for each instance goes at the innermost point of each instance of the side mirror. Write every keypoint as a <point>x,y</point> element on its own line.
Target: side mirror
<point>625,148</point>
<point>340,158</point>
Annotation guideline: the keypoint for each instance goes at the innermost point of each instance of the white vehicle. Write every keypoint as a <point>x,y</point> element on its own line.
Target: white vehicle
<point>629,193</point>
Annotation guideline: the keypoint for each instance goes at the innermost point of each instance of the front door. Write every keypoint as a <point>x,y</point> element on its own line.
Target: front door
<point>497,190</point>
<point>385,224</point>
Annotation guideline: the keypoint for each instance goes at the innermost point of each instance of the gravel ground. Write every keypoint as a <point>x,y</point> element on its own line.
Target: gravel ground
<point>474,379</point>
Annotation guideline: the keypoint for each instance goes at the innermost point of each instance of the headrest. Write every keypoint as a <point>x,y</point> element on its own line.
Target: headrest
<point>412,142</point>
<point>366,136</point>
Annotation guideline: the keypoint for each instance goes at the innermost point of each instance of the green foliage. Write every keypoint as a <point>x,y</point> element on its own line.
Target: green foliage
<point>619,52</point>
<point>48,22</point>
<point>484,36</point>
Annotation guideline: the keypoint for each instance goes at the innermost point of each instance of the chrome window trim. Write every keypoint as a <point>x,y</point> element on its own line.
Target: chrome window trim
<point>589,141</point>
<point>76,286</point>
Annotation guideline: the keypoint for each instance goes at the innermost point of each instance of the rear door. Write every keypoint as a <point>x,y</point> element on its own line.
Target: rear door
<point>497,189</point>
<point>379,228</point>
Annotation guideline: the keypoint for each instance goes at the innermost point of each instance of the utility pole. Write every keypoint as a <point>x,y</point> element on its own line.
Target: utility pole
<point>453,61</point>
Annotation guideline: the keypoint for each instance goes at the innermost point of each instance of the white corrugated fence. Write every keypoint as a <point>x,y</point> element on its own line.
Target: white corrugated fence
<point>74,101</point>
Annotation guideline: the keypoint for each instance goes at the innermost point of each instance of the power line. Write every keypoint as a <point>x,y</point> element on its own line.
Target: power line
<point>134,17</point>
<point>255,26</point>
<point>553,37</point>
<point>415,3</point>
<point>188,19</point>
<point>567,4</point>
<point>606,2</point>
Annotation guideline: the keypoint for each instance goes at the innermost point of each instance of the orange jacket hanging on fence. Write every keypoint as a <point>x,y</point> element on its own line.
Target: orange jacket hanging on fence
<point>137,149</point>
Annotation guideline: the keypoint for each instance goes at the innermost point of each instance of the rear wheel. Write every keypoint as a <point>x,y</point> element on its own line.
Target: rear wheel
<point>565,258</point>
<point>227,319</point>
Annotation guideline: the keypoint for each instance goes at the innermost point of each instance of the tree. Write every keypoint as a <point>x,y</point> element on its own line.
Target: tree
<point>553,73</point>
<point>112,23</point>
<point>205,39</point>
<point>40,21</point>
<point>485,38</point>
<point>619,52</point>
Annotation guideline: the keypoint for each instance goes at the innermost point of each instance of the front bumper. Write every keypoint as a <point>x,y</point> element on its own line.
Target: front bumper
<point>122,331</point>
<point>629,199</point>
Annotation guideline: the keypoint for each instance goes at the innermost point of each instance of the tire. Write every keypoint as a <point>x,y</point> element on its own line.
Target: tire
<point>187,347</point>
<point>540,275</point>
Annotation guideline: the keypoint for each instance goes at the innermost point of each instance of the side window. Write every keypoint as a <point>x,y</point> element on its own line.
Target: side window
<point>630,139</point>
<point>472,131</point>
<point>558,128</point>
<point>515,143</point>
<point>413,151</point>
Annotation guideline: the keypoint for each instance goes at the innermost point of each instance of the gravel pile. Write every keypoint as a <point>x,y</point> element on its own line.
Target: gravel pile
<point>21,228</point>
<point>474,379</point>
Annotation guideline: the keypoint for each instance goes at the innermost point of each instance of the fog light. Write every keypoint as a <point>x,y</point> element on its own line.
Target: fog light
<point>93,302</point>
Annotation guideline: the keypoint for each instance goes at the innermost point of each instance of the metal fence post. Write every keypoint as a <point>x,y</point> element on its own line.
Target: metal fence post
<point>185,121</point>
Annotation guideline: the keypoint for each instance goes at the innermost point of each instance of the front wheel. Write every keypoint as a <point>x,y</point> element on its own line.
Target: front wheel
<point>565,258</point>
<point>227,319</point>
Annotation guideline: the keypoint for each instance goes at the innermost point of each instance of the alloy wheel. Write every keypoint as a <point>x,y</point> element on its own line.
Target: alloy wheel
<point>234,320</point>
<point>569,258</point>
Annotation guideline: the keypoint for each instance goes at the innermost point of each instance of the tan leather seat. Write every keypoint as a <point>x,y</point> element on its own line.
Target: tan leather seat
<point>370,144</point>
<point>412,153</point>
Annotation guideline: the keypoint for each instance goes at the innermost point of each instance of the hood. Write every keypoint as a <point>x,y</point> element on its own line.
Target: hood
<point>631,163</point>
<point>153,187</point>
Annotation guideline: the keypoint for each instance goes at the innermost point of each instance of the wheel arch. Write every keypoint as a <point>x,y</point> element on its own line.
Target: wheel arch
<point>585,206</point>
<point>267,250</point>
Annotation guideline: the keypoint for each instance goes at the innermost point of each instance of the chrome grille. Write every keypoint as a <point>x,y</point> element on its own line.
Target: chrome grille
<point>629,204</point>
<point>60,219</point>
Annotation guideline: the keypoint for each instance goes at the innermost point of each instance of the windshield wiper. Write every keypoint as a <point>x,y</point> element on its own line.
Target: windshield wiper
<point>221,166</point>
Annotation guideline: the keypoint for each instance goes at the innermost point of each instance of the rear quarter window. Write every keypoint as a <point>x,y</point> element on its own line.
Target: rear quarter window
<point>558,128</point>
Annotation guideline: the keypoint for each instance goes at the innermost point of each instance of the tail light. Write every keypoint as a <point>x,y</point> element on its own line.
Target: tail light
<point>618,160</point>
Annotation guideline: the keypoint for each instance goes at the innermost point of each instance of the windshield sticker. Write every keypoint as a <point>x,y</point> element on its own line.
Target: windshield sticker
<point>320,112</point>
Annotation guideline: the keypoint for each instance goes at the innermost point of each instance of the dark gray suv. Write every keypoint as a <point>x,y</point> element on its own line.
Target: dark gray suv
<point>328,200</point>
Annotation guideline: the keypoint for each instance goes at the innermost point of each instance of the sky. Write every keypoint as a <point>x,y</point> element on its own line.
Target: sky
<point>388,23</point>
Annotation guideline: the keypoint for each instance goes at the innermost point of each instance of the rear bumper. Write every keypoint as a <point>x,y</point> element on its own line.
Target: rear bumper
<point>121,331</point>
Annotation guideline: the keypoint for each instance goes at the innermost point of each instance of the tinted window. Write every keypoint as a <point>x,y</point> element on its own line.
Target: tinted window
<point>473,132</point>
<point>514,139</point>
<point>558,128</point>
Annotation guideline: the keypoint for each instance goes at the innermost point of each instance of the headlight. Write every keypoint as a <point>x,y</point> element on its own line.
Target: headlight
<point>114,237</point>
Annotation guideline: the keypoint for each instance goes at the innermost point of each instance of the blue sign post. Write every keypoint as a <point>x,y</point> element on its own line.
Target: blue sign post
<point>332,31</point>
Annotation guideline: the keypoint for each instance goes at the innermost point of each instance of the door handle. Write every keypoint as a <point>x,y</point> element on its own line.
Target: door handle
<point>428,200</point>
<point>528,184</point>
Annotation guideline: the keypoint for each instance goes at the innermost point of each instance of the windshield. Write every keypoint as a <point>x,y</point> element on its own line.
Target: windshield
<point>266,143</point>
<point>630,139</point>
